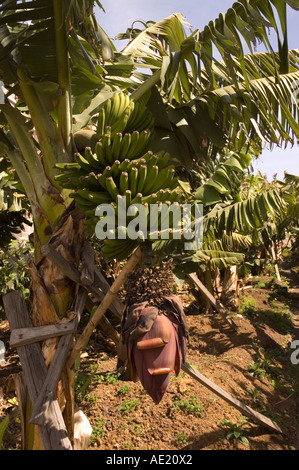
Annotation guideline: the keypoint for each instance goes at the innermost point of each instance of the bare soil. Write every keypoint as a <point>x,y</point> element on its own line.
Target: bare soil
<point>252,363</point>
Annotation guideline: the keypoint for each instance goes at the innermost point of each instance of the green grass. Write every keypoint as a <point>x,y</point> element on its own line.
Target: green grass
<point>181,438</point>
<point>128,406</point>
<point>123,390</point>
<point>190,405</point>
<point>248,305</point>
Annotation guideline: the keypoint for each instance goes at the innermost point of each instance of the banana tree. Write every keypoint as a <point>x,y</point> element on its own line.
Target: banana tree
<point>52,58</point>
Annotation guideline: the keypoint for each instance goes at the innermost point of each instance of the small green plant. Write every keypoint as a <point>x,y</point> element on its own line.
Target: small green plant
<point>98,430</point>
<point>108,377</point>
<point>128,405</point>
<point>191,405</point>
<point>236,430</point>
<point>248,305</point>
<point>181,437</point>
<point>262,366</point>
<point>90,398</point>
<point>123,390</point>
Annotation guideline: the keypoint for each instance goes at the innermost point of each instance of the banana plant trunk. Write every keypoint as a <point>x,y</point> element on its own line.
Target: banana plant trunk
<point>56,219</point>
<point>51,298</point>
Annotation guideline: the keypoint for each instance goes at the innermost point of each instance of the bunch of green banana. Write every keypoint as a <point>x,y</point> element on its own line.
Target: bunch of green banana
<point>123,115</point>
<point>120,165</point>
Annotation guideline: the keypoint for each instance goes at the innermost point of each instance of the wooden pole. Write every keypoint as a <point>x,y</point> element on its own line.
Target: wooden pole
<point>104,305</point>
<point>244,409</point>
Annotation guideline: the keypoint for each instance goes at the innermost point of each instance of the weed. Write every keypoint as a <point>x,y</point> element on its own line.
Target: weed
<point>191,405</point>
<point>128,405</point>
<point>236,431</point>
<point>181,437</point>
<point>248,305</point>
<point>262,366</point>
<point>256,396</point>
<point>108,377</point>
<point>123,390</point>
<point>90,398</point>
<point>98,430</point>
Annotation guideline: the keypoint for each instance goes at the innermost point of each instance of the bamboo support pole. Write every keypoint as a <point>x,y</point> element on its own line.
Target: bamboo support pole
<point>104,305</point>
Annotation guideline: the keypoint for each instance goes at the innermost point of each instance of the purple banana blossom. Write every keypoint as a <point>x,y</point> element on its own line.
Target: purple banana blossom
<point>156,344</point>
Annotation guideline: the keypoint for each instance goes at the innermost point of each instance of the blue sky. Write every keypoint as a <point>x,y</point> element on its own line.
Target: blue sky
<point>120,14</point>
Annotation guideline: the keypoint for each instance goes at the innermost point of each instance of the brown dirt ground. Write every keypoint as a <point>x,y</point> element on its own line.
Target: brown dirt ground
<point>217,351</point>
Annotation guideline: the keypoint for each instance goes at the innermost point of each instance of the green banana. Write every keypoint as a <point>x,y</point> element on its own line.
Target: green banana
<point>120,124</point>
<point>102,180</point>
<point>107,150</point>
<point>100,154</point>
<point>91,180</point>
<point>115,169</point>
<point>133,180</point>
<point>116,145</point>
<point>101,121</point>
<point>90,157</point>
<point>124,182</point>
<point>128,195</point>
<point>82,162</point>
<point>151,199</point>
<point>133,149</point>
<point>160,181</point>
<point>107,107</point>
<point>65,177</point>
<point>124,166</point>
<point>150,179</point>
<point>143,141</point>
<point>107,171</point>
<point>138,199</point>
<point>142,173</point>
<point>94,197</point>
<point>125,145</point>
<point>111,187</point>
<point>134,119</point>
<point>67,166</point>
<point>150,158</point>
<point>141,118</point>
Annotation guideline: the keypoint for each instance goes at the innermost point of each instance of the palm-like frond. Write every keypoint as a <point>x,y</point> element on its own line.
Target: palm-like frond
<point>30,27</point>
<point>247,215</point>
<point>241,98</point>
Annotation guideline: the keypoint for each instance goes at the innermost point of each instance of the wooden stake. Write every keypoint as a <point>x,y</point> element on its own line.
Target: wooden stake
<point>104,305</point>
<point>244,409</point>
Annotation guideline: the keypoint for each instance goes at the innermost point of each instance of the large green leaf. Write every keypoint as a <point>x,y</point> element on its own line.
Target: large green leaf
<point>226,177</point>
<point>239,99</point>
